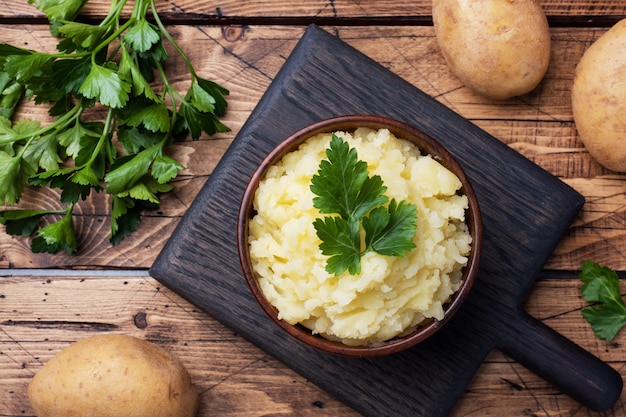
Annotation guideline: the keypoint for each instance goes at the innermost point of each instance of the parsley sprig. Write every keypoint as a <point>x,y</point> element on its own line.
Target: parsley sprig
<point>607,314</point>
<point>109,69</point>
<point>357,202</point>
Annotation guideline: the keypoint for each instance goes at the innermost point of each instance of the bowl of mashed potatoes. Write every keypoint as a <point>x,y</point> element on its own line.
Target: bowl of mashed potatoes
<point>387,302</point>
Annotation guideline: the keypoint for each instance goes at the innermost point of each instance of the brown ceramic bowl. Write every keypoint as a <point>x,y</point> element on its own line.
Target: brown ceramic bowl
<point>427,145</point>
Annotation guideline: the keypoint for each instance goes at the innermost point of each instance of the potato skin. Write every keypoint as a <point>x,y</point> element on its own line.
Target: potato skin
<point>599,98</point>
<point>113,375</point>
<point>498,48</point>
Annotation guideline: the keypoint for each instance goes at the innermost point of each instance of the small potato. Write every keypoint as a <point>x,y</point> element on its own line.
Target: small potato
<point>113,375</point>
<point>599,98</point>
<point>498,48</point>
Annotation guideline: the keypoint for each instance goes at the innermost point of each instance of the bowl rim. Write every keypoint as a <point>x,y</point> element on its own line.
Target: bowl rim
<point>426,145</point>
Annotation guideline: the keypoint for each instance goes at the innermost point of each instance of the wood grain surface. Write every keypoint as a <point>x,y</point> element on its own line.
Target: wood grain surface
<point>41,315</point>
<point>318,11</point>
<point>243,44</point>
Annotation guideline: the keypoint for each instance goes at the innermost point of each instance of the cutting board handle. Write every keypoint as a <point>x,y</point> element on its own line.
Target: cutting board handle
<point>564,364</point>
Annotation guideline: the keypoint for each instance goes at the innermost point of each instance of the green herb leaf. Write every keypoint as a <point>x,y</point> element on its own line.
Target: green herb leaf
<point>23,67</point>
<point>82,34</point>
<point>601,286</point>
<point>128,171</point>
<point>14,171</point>
<point>343,187</point>
<point>341,240</point>
<point>44,153</point>
<point>217,92</point>
<point>105,85</point>
<point>342,183</point>
<point>133,70</point>
<point>70,74</point>
<point>134,139</point>
<point>146,190</point>
<point>57,10</point>
<point>21,222</point>
<point>154,116</point>
<point>142,36</point>
<point>164,169</point>
<point>57,236</point>
<point>390,230</point>
<point>197,121</point>
<point>11,93</point>
<point>126,216</point>
<point>75,137</point>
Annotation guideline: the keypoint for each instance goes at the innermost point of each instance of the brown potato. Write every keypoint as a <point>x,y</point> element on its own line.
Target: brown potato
<point>599,98</point>
<point>113,375</point>
<point>498,48</point>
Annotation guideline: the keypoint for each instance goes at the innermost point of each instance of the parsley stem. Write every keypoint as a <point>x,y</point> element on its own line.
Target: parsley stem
<point>115,10</point>
<point>169,37</point>
<point>103,138</point>
<point>113,36</point>
<point>58,124</point>
<point>172,93</point>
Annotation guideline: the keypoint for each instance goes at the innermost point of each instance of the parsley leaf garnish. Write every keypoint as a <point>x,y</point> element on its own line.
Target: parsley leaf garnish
<point>116,65</point>
<point>607,315</point>
<point>357,202</point>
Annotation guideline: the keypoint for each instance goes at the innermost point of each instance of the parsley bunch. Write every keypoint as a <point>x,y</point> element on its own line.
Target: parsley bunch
<point>109,70</point>
<point>601,286</point>
<point>357,201</point>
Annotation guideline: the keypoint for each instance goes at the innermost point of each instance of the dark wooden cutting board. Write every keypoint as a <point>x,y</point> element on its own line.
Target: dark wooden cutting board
<point>526,212</point>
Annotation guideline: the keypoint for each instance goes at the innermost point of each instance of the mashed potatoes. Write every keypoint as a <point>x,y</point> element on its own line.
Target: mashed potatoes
<point>392,295</point>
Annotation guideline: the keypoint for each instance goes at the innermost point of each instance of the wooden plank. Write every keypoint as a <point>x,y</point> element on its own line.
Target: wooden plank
<point>538,125</point>
<point>41,315</point>
<point>586,11</point>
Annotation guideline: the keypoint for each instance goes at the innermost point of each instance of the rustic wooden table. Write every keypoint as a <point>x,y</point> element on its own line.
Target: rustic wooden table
<point>49,301</point>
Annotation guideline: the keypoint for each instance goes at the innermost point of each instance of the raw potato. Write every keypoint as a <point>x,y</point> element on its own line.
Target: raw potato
<point>498,48</point>
<point>113,376</point>
<point>599,98</point>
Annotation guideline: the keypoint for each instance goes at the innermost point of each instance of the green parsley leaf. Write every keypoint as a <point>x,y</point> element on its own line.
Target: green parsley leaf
<point>201,99</point>
<point>23,67</point>
<point>44,153</point>
<point>21,222</point>
<point>63,178</point>
<point>390,230</point>
<point>82,34</point>
<point>342,183</point>
<point>198,121</point>
<point>154,116</point>
<point>70,74</point>
<point>164,169</point>
<point>341,238</point>
<point>217,92</point>
<point>142,35</point>
<point>129,170</point>
<point>11,93</point>
<point>345,189</point>
<point>75,137</point>
<point>14,170</point>
<point>57,10</point>
<point>126,215</point>
<point>135,139</point>
<point>146,190</point>
<point>107,86</point>
<point>56,236</point>
<point>601,286</point>
<point>138,76</point>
